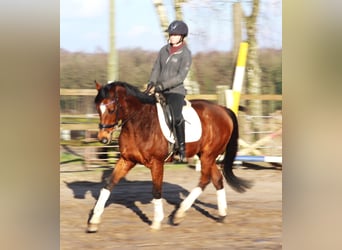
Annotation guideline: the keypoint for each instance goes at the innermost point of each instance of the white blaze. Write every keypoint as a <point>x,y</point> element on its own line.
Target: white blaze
<point>102,108</point>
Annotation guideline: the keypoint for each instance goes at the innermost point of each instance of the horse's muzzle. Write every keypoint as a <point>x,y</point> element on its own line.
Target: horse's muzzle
<point>104,140</point>
<point>104,137</point>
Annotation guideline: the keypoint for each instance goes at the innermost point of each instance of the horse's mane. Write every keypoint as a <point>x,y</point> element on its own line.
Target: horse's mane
<point>131,90</point>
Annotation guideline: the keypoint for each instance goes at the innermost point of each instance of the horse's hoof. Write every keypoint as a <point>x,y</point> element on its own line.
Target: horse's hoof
<point>92,228</point>
<point>156,226</point>
<point>178,218</point>
<point>221,218</point>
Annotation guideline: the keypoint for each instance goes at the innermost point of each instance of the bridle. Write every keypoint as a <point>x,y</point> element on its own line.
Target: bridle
<point>116,110</point>
<point>118,122</point>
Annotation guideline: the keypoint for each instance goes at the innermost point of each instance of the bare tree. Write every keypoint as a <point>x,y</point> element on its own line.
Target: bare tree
<point>178,8</point>
<point>253,67</point>
<point>161,12</point>
<point>191,86</point>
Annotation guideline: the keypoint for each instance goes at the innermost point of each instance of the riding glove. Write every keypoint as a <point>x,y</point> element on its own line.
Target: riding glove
<point>150,85</point>
<point>149,89</point>
<point>159,87</point>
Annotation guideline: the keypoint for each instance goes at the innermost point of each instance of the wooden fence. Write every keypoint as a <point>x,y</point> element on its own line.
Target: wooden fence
<point>91,126</point>
<point>93,92</point>
<point>212,97</point>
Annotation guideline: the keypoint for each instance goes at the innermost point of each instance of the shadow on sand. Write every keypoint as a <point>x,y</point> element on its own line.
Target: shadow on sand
<point>130,193</point>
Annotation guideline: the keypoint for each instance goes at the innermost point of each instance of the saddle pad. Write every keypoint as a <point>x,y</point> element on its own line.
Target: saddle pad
<point>193,126</point>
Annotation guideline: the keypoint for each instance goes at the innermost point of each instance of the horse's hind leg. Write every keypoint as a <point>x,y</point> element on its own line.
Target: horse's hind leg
<point>217,180</point>
<point>121,169</point>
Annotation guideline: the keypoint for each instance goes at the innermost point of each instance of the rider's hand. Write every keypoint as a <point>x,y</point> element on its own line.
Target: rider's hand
<point>159,87</point>
<point>150,88</point>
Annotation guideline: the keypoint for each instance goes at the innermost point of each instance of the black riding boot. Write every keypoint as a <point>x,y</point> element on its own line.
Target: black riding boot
<point>180,127</point>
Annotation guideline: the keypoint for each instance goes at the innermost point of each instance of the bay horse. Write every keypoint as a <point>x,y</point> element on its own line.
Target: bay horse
<point>141,141</point>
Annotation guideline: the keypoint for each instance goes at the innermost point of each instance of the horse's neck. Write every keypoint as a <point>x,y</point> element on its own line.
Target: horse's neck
<point>141,114</point>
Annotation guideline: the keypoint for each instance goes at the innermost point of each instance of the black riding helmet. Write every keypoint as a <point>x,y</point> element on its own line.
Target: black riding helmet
<point>178,28</point>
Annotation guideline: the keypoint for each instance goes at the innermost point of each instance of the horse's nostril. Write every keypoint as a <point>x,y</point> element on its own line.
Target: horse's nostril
<point>104,140</point>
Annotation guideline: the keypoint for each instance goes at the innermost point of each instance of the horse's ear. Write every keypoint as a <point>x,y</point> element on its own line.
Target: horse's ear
<point>98,85</point>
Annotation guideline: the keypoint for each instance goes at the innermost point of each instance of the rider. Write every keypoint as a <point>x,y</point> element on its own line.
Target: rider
<point>168,74</point>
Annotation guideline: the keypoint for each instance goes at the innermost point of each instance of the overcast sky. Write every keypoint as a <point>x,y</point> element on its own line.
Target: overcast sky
<point>84,24</point>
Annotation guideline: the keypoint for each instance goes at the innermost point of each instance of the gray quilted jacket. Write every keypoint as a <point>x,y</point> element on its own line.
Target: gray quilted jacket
<point>171,70</point>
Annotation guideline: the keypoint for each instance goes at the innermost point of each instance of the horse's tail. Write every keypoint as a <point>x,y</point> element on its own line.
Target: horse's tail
<point>238,184</point>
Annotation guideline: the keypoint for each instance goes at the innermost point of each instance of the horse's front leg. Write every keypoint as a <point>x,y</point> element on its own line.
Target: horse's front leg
<point>121,169</point>
<point>157,171</point>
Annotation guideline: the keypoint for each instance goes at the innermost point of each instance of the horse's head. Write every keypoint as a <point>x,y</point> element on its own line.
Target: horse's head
<point>108,107</point>
<point>117,103</point>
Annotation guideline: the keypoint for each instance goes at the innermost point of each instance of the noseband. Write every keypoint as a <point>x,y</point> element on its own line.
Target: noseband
<point>102,126</point>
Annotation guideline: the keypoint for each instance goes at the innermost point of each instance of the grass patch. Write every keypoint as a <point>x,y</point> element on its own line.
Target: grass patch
<point>66,157</point>
<point>79,120</point>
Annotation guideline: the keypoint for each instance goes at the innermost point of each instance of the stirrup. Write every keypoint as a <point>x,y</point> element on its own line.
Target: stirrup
<point>179,158</point>
<point>182,159</point>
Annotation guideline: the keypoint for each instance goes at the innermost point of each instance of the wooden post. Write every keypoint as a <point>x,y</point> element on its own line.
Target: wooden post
<point>113,72</point>
<point>237,24</point>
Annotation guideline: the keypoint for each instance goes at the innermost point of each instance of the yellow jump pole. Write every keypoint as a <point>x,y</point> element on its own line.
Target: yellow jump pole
<point>233,96</point>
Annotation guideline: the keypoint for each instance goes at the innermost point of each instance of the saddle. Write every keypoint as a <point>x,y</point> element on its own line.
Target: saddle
<point>193,127</point>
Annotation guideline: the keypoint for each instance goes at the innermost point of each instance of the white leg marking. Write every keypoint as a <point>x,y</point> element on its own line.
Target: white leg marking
<point>221,202</point>
<point>158,213</point>
<point>99,207</point>
<point>187,203</point>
